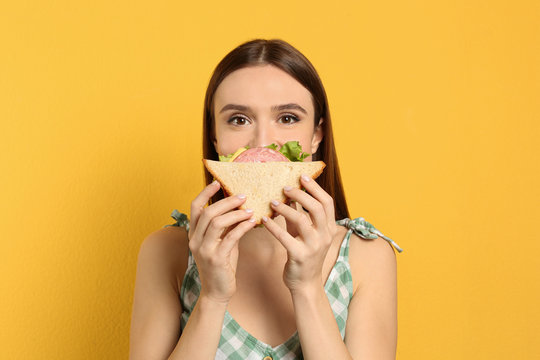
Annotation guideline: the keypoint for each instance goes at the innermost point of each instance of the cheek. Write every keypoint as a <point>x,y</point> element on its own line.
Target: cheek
<point>229,143</point>
<point>305,142</point>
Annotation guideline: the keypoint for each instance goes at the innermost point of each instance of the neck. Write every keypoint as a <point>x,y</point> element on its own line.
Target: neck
<point>261,241</point>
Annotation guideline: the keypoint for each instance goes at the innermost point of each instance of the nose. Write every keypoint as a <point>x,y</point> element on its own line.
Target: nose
<point>263,135</point>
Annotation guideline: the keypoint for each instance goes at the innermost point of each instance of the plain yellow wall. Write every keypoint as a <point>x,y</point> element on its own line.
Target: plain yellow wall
<point>436,113</point>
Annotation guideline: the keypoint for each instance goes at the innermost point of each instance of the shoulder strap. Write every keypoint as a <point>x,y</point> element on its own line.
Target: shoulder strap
<point>365,230</point>
<point>182,221</point>
<point>344,249</point>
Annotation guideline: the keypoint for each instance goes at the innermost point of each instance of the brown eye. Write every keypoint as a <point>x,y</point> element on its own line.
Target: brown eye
<point>289,119</point>
<point>238,121</point>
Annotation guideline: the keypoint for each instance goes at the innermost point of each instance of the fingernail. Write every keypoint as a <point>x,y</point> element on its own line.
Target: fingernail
<point>249,211</point>
<point>306,178</point>
<point>241,196</point>
<point>264,219</point>
<point>215,182</point>
<point>275,202</point>
<point>287,188</point>
<point>252,220</point>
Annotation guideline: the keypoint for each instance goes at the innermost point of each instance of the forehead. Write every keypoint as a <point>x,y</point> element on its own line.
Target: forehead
<point>261,86</point>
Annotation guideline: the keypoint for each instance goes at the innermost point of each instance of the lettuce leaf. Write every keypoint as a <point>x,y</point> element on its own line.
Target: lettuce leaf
<point>225,158</point>
<point>272,146</point>
<point>293,151</point>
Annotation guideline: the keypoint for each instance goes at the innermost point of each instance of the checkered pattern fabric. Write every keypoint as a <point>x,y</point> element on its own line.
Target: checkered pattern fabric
<point>237,344</point>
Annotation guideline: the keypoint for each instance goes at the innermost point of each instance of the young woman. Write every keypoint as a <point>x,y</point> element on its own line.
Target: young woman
<point>302,286</point>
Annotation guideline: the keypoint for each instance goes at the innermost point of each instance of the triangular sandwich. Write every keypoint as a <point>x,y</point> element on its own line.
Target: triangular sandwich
<point>261,182</point>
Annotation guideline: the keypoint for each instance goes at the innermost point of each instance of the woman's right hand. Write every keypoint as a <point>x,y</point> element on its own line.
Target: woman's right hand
<point>214,245</point>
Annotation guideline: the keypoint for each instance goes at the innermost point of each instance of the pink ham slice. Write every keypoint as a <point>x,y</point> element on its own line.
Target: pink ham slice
<point>260,155</point>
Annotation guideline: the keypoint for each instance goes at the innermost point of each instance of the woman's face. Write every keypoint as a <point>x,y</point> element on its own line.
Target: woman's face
<point>260,105</point>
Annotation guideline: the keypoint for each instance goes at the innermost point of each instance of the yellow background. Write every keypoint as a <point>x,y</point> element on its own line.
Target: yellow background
<point>436,113</point>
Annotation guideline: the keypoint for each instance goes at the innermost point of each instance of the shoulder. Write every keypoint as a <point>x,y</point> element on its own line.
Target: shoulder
<point>166,249</point>
<point>372,261</point>
<point>372,319</point>
<point>167,236</point>
<point>156,311</point>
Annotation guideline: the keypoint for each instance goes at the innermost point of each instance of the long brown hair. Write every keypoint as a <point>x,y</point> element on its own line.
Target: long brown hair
<point>285,57</point>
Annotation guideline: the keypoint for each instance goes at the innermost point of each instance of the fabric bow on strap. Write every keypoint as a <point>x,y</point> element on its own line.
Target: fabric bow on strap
<point>181,219</point>
<point>365,230</point>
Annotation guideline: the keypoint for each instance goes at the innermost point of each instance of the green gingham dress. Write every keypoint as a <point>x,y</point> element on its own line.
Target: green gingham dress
<point>236,343</point>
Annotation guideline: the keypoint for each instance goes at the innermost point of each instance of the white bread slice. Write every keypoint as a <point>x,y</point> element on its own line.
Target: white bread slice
<point>261,182</point>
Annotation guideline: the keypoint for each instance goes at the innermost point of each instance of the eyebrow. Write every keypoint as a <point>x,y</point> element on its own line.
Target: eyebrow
<point>274,108</point>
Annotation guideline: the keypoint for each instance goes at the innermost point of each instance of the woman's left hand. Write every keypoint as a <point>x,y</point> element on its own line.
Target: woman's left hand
<point>308,236</point>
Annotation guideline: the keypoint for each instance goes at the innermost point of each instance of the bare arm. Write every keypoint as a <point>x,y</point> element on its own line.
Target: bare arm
<point>371,331</point>
<point>201,335</point>
<point>371,323</point>
<point>155,328</point>
<point>317,327</point>
<point>155,318</point>
<point>155,323</point>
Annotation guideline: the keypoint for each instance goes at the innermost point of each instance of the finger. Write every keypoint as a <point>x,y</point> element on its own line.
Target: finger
<point>220,223</point>
<point>314,207</point>
<point>322,196</point>
<point>197,205</point>
<point>291,228</point>
<point>231,239</point>
<point>216,209</point>
<point>288,242</point>
<point>296,217</point>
